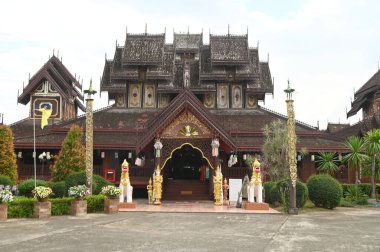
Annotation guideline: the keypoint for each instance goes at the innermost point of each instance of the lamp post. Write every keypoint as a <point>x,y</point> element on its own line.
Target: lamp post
<point>89,136</point>
<point>291,150</point>
<point>43,157</point>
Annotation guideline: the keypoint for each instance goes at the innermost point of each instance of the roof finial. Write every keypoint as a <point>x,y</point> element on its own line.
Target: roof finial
<point>258,45</point>
<point>146,28</point>
<point>18,94</point>
<point>116,43</point>
<point>378,67</point>
<point>247,30</point>
<point>228,29</point>
<point>318,125</point>
<point>29,76</point>
<point>105,56</point>
<point>53,51</point>
<point>61,59</point>
<point>58,54</point>
<point>165,31</point>
<point>188,30</point>
<point>268,57</point>
<point>23,85</point>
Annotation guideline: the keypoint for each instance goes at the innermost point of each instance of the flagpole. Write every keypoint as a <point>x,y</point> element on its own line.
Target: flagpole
<point>34,149</point>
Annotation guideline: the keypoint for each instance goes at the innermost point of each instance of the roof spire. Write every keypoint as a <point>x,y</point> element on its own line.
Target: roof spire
<point>268,57</point>
<point>247,31</point>
<point>228,30</point>
<point>105,56</point>
<point>23,85</point>
<point>258,45</point>
<point>165,31</point>
<point>18,94</point>
<point>29,76</point>
<point>146,29</point>
<point>116,43</point>
<point>53,51</point>
<point>188,30</point>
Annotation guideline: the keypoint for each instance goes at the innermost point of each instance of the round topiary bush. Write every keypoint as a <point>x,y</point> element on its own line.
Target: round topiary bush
<point>4,180</point>
<point>324,191</point>
<point>302,192</point>
<point>25,188</point>
<point>59,189</point>
<point>79,178</point>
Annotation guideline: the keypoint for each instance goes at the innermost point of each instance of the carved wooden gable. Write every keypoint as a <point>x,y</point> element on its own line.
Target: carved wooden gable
<point>186,125</point>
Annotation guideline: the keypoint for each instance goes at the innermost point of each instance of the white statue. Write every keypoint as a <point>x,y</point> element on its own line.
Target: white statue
<point>125,184</point>
<point>255,188</point>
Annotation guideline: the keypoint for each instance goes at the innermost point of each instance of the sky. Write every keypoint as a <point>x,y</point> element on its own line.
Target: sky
<point>326,48</point>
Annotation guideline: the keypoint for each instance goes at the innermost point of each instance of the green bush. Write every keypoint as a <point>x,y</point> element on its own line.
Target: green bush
<point>364,188</point>
<point>302,192</point>
<point>79,178</point>
<point>4,180</point>
<point>25,188</point>
<point>61,206</point>
<point>275,197</point>
<point>59,189</point>
<point>324,191</point>
<point>95,203</point>
<point>21,207</point>
<point>267,187</point>
<point>345,203</point>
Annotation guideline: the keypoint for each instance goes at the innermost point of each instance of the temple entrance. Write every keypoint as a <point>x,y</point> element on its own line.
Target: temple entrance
<point>187,174</point>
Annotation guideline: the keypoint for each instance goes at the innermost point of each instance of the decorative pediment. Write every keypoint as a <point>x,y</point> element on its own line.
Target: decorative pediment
<point>186,125</point>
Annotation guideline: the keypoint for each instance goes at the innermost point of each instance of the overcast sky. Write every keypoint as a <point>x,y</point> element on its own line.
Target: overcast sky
<point>327,48</point>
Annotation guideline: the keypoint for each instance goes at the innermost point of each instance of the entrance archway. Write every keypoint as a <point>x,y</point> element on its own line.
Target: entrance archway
<point>187,172</point>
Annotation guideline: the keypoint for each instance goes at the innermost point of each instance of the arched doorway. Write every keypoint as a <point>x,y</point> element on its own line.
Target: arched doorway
<point>187,172</point>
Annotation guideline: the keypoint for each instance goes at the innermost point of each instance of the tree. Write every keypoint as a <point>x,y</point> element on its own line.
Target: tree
<point>8,164</point>
<point>355,158</point>
<point>275,150</point>
<point>372,145</point>
<point>71,157</point>
<point>327,162</point>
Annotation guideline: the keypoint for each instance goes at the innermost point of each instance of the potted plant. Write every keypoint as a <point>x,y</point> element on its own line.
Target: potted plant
<point>78,206</point>
<point>111,204</point>
<point>42,208</point>
<point>5,197</point>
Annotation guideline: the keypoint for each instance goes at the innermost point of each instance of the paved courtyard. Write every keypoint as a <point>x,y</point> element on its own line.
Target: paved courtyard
<point>338,230</point>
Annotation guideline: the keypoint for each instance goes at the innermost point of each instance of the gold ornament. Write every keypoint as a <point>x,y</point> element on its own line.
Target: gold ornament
<point>149,187</point>
<point>157,186</point>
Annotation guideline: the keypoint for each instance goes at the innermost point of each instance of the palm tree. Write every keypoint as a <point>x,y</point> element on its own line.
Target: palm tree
<point>372,145</point>
<point>327,162</point>
<point>355,157</point>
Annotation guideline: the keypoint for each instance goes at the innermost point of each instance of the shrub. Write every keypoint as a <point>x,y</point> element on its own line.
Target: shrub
<point>362,200</point>
<point>324,191</point>
<point>345,203</point>
<point>59,189</point>
<point>4,180</point>
<point>267,187</point>
<point>8,165</point>
<point>95,203</point>
<point>21,207</point>
<point>61,206</point>
<point>302,192</point>
<point>25,188</point>
<point>111,191</point>
<point>79,178</point>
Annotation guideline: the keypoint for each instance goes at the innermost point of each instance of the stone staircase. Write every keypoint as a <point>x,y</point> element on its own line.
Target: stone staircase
<point>184,190</point>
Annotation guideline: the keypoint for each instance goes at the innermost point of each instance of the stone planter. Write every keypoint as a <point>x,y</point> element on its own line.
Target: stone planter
<point>111,206</point>
<point>3,212</point>
<point>42,209</point>
<point>78,207</point>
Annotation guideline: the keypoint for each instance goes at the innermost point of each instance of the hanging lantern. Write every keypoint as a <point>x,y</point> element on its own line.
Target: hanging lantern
<point>215,147</point>
<point>158,146</point>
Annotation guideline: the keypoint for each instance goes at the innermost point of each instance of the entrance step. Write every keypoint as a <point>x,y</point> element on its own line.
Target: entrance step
<point>186,190</point>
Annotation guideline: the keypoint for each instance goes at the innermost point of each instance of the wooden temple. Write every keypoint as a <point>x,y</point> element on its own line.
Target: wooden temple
<point>187,95</point>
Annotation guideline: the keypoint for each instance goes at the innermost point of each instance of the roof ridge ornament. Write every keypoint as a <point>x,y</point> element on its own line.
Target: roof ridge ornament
<point>289,91</point>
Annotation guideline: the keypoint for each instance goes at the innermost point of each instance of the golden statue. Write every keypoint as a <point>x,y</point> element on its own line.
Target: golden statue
<point>149,187</point>
<point>218,181</point>
<point>157,186</point>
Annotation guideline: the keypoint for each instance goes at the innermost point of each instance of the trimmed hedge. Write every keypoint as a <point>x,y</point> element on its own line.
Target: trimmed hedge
<point>25,188</point>
<point>79,178</point>
<point>59,189</point>
<point>21,207</point>
<point>95,203</point>
<point>4,180</point>
<point>267,188</point>
<point>61,206</point>
<point>324,191</point>
<point>302,192</point>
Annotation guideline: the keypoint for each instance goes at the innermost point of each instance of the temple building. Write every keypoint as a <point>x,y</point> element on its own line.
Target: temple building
<point>185,107</point>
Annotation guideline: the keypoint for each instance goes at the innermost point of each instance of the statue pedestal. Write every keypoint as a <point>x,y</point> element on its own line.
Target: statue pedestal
<point>256,206</point>
<point>126,205</point>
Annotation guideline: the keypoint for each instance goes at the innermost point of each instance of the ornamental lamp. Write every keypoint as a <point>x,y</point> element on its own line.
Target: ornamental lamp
<point>158,147</point>
<point>90,91</point>
<point>289,91</point>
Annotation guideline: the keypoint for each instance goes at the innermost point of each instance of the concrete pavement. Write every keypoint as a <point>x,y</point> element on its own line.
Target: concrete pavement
<point>343,229</point>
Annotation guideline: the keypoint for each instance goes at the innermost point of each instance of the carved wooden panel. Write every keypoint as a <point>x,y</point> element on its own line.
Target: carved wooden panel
<point>134,97</point>
<point>120,101</point>
<point>149,96</point>
<point>48,102</point>
<point>251,101</point>
<point>209,100</point>
<point>185,126</point>
<point>163,100</point>
<point>236,96</point>
<point>223,99</point>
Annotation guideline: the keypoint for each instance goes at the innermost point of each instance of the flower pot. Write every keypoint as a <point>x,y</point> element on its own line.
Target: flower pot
<point>42,199</point>
<point>3,212</point>
<point>78,207</point>
<point>42,210</point>
<point>111,206</point>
